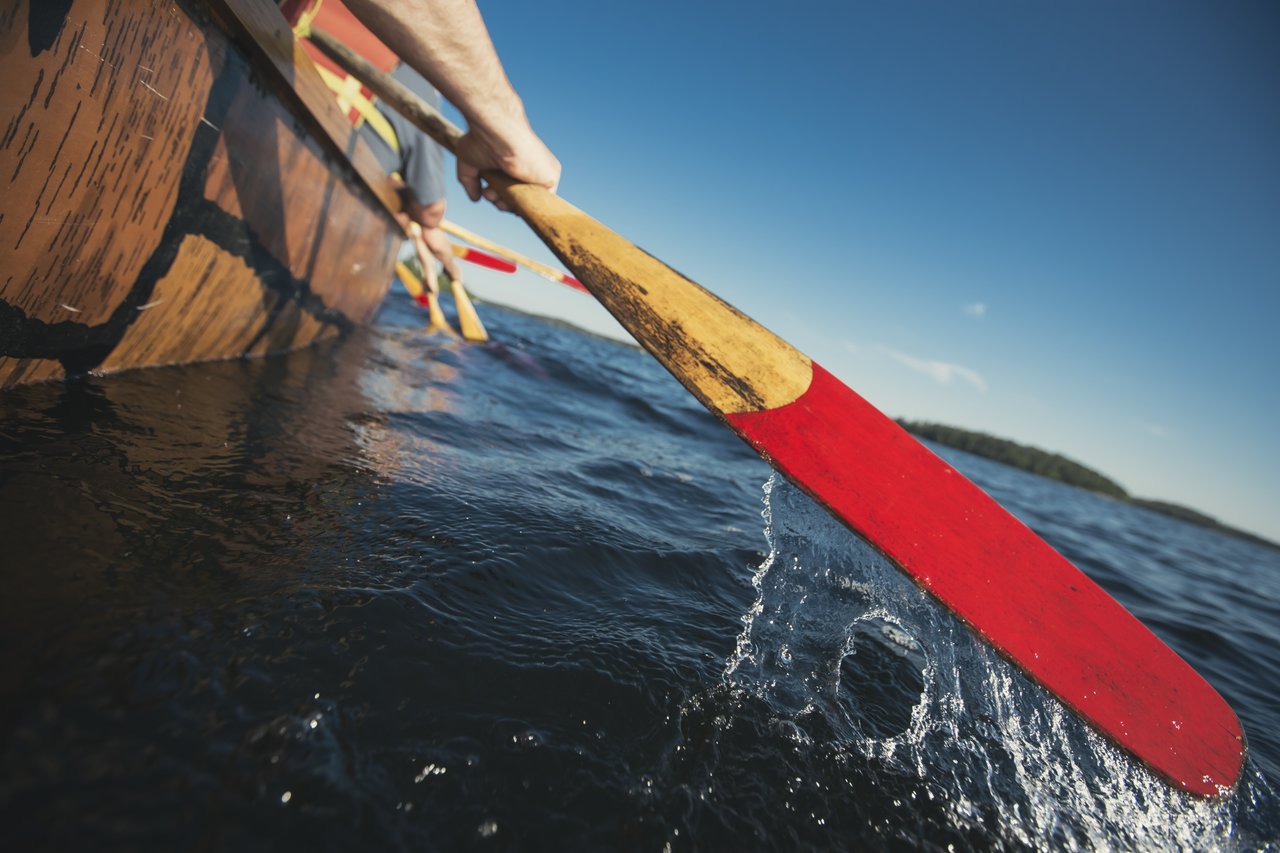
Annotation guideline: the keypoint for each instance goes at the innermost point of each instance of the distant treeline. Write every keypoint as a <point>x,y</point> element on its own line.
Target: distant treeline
<point>1058,467</point>
<point>1051,465</point>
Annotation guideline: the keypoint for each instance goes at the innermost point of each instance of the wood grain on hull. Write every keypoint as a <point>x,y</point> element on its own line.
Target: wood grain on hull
<point>160,202</point>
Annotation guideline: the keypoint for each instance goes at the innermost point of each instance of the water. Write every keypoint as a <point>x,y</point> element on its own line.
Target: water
<point>402,593</point>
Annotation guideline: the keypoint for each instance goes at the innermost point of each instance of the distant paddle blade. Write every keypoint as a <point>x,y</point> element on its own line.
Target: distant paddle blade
<point>537,266</point>
<point>948,535</point>
<point>411,282</point>
<point>436,319</point>
<point>468,319</point>
<point>479,258</point>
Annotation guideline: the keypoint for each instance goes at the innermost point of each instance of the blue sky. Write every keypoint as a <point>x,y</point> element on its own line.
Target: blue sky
<point>1054,222</point>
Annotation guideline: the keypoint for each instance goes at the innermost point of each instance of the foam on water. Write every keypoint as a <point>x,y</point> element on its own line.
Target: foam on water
<point>838,635</point>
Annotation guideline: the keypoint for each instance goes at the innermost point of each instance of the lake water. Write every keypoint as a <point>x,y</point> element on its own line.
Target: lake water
<point>404,593</point>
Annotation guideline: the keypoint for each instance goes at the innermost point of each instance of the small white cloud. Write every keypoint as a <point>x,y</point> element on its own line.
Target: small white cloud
<point>942,372</point>
<point>976,310</point>
<point>1155,430</point>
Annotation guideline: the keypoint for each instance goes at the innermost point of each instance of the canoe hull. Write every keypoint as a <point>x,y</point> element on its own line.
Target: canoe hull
<point>164,199</point>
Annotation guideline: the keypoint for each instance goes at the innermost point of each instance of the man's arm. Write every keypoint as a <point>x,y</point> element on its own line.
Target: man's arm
<point>446,41</point>
<point>435,242</point>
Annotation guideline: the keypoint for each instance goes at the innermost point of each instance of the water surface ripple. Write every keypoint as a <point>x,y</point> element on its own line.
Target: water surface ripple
<point>400,593</point>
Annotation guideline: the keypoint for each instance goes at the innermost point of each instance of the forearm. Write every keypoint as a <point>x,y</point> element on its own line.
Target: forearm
<point>446,41</point>
<point>439,245</point>
<point>425,261</point>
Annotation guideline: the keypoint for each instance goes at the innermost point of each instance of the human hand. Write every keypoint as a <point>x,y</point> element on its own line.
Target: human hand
<point>433,243</point>
<point>427,216</point>
<point>518,152</point>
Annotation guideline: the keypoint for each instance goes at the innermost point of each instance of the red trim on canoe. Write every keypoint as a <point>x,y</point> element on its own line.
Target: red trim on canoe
<point>1008,584</point>
<point>335,18</point>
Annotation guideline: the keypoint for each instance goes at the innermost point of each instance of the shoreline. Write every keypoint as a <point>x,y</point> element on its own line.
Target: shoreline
<point>1056,467</point>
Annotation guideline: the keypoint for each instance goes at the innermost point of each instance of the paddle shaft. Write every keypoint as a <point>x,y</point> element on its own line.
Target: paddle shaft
<point>545,270</point>
<point>1009,586</point>
<point>399,96</point>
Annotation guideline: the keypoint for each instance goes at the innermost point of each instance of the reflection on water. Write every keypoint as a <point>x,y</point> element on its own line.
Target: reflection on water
<point>407,593</point>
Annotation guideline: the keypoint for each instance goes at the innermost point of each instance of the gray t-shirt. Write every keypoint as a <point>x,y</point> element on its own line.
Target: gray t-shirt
<point>420,161</point>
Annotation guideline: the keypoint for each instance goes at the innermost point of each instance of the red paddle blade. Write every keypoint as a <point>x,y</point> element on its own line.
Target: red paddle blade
<point>573,282</point>
<point>1008,584</point>
<point>479,258</point>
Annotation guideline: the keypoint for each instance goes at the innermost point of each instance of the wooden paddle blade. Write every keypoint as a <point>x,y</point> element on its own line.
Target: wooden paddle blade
<point>436,319</point>
<point>411,283</point>
<point>949,536</point>
<point>468,320</point>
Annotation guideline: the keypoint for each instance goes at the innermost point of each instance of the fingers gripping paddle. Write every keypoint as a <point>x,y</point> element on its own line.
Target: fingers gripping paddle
<point>949,536</point>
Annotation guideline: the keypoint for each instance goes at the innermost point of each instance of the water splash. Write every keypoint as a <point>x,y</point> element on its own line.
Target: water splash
<point>846,651</point>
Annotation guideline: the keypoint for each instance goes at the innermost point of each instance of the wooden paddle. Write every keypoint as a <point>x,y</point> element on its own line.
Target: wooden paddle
<point>425,298</point>
<point>468,320</point>
<point>949,536</point>
<point>540,268</point>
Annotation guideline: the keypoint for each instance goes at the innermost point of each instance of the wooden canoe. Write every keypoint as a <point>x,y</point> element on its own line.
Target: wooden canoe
<point>176,185</point>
